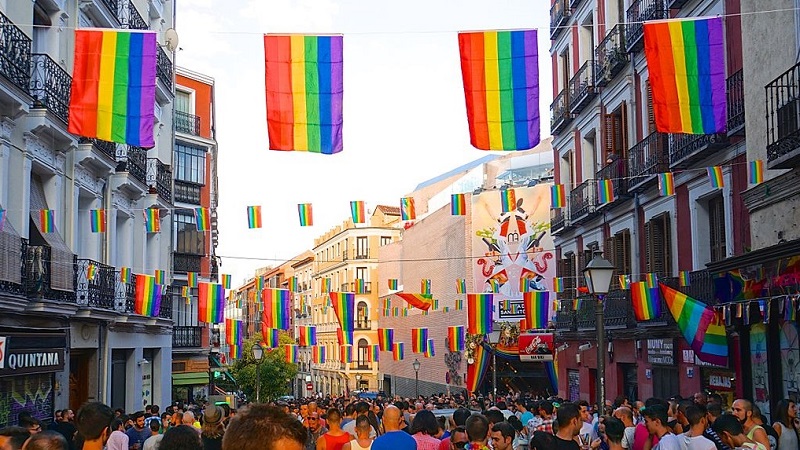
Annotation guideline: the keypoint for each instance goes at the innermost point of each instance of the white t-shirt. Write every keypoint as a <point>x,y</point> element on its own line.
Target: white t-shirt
<point>699,443</point>
<point>628,436</point>
<point>153,442</point>
<point>670,442</point>
<point>350,427</point>
<point>587,428</point>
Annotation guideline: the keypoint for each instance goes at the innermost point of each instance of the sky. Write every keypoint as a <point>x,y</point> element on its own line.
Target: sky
<point>404,111</point>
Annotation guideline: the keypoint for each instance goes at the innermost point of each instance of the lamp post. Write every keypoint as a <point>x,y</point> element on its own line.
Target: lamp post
<point>494,339</point>
<point>415,365</point>
<point>258,353</point>
<point>358,382</point>
<point>598,275</point>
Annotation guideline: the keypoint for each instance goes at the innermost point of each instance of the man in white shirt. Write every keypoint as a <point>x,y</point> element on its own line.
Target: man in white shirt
<point>696,415</point>
<point>625,415</point>
<point>586,421</point>
<point>655,419</point>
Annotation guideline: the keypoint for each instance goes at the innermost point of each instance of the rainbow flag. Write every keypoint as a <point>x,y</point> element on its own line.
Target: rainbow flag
<point>430,350</point>
<point>700,326</point>
<point>494,284</point>
<point>147,301</point>
<point>684,279</point>
<point>361,286</point>
<point>125,274</point>
<point>254,216</point>
<point>344,337</point>
<point>293,285</point>
<point>419,336</point>
<point>524,284</point>
<point>308,335</point>
<point>605,191</point>
<point>325,285</point>
<point>458,205</point>
<point>306,215</point>
<point>477,370</point>
<point>624,282</point>
<point>343,305</point>
<point>398,350</point>
<point>47,220</point>
<point>271,337</point>
<point>686,61</point>
<point>259,283</point>
<point>235,351</point>
<point>508,200</point>
<point>211,303</point>
<point>577,303</point>
<point>202,217</point>
<point>152,222</point>
<point>234,331</point>
<point>755,171</point>
<point>185,292</point>
<point>318,354</point>
<point>304,92</point>
<point>419,301</point>
<point>789,309</point>
<point>358,211</point>
<point>160,276</point>
<point>646,304</point>
<point>500,70</point>
<point>91,272</point>
<point>456,338</point>
<point>425,286</point>
<point>374,354</point>
<point>537,309</point>
<point>715,177</point>
<point>393,284</point>
<point>290,353</point>
<point>459,304</point>
<point>191,279</point>
<point>97,218</point>
<point>558,196</point>
<point>461,286</point>
<point>652,279</point>
<point>385,338</point>
<point>276,308</point>
<point>666,184</point>
<point>346,354</point>
<point>435,304</point>
<point>479,313</point>
<point>558,284</point>
<point>225,279</point>
<point>407,211</point>
<point>2,218</point>
<point>114,86</point>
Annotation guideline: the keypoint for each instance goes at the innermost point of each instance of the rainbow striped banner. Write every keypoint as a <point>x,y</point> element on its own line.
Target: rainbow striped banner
<point>435,304</point>
<point>343,305</point>
<point>114,86</point>
<point>326,285</point>
<point>147,300</point>
<point>91,272</point>
<point>318,354</point>
<point>211,303</point>
<point>458,205</point>
<point>374,353</point>
<point>344,337</point>
<point>477,370</point>
<point>235,351</point>
<point>385,338</point>
<point>577,303</point>
<point>225,279</point>
<point>479,313</point>
<point>202,217</point>
<point>755,171</point>
<point>276,312</point>
<point>646,304</point>
<point>47,220</point>
<point>125,275</point>
<point>494,284</point>
<point>666,184</point>
<point>97,219</point>
<point>461,286</point>
<point>191,279</point>
<point>293,285</point>
<point>558,196</point>
<point>456,338</point>
<point>407,210</point>
<point>501,87</point>
<point>684,278</point>
<point>715,177</point>
<point>307,335</point>
<point>419,336</point>
<point>234,331</point>
<point>425,286</point>
<point>358,211</point>
<point>152,222</point>
<point>537,309</point>
<point>259,283</point>
<point>393,284</point>
<point>605,191</point>
<point>2,218</point>
<point>398,351</point>
<point>361,286</point>
<point>160,276</point>
<point>304,92</point>
<point>290,353</point>
<point>346,354</point>
<point>524,284</point>
<point>508,200</point>
<point>430,350</point>
<point>185,292</point>
<point>652,279</point>
<point>306,215</point>
<point>558,284</point>
<point>254,217</point>
<point>419,301</point>
<point>459,304</point>
<point>271,337</point>
<point>700,326</point>
<point>624,282</point>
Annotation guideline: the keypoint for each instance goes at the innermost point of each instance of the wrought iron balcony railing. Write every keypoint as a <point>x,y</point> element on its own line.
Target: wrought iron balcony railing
<point>582,88</point>
<point>165,311</point>
<point>159,178</point>
<point>617,171</point>
<point>113,7</point>
<point>700,287</point>
<point>558,218</point>
<point>134,161</point>
<point>363,324</point>
<point>107,148</point>
<point>646,159</point>
<point>185,262</point>
<point>135,20</point>
<point>362,254</point>
<point>559,112</point>
<point>39,276</point>
<point>187,337</point>
<point>187,192</point>
<point>559,16</point>
<point>611,56</point>
<point>15,54</point>
<point>583,201</point>
<point>783,120</point>
<point>565,320</point>
<point>639,12</point>
<point>735,91</point>
<point>686,148</point>
<point>187,123</point>
<point>98,291</point>
<point>50,86</point>
<point>677,4</point>
<point>164,68</point>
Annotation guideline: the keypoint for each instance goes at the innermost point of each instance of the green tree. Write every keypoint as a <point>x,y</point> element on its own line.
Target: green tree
<point>275,373</point>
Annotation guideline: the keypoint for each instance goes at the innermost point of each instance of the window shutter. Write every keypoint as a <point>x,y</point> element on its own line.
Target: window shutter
<point>648,247</point>
<point>667,249</point>
<point>651,116</point>
<point>611,250</point>
<point>581,265</point>
<point>623,130</point>
<point>716,219</point>
<point>610,137</point>
<point>625,246</point>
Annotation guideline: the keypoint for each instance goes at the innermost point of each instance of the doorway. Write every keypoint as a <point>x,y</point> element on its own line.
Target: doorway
<point>78,378</point>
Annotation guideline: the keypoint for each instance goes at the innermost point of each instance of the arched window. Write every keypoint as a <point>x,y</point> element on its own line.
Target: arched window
<point>362,315</point>
<point>363,354</point>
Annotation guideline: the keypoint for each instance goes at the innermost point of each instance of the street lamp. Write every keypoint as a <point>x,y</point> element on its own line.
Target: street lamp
<point>415,365</point>
<point>358,382</point>
<point>258,353</point>
<point>598,275</point>
<point>494,339</point>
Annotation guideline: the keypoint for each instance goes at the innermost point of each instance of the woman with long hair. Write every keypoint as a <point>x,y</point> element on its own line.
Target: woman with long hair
<point>786,424</point>
<point>424,428</point>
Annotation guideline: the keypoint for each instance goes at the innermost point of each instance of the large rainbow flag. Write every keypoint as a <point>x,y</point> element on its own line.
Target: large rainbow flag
<point>645,300</point>
<point>419,339</point>
<point>700,326</point>
<point>344,307</point>
<point>386,339</point>
<point>147,301</point>
<point>276,308</point>
<point>479,313</point>
<point>537,309</point>
<point>419,301</point>
<point>477,370</point>
<point>211,303</point>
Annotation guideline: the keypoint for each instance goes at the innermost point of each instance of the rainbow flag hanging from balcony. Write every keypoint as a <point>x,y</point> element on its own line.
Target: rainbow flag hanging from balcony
<point>254,217</point>
<point>361,287</point>
<point>346,354</point>
<point>605,191</point>
<point>393,284</point>
<point>308,335</point>
<point>91,272</point>
<point>202,217</point>
<point>290,353</point>
<point>624,282</point>
<point>456,338</point>
<point>646,303</point>
<point>407,210</point>
<point>715,177</point>
<point>755,171</point>
<point>684,278</point>
<point>326,285</point>
<point>558,196</point>
<point>186,293</point>
<point>386,339</point>
<point>458,205</point>
<point>398,350</point>
<point>147,301</point>
<point>344,337</point>
<point>700,326</point>
<point>537,309</point>
<point>191,279</point>
<point>430,350</point>
<point>686,61</point>
<point>47,220</point>
<point>358,211</point>
<point>293,285</point>
<point>419,337</point>
<point>374,353</point>
<point>271,337</point>
<point>125,274</point>
<point>318,354</point>
<point>425,286</point>
<point>114,86</point>
<point>343,305</point>
<point>477,370</point>
<point>160,276</point>
<point>276,308</point>
<point>479,313</point>
<point>558,284</point>
<point>419,301</point>
<point>152,222</point>
<point>225,279</point>
<point>666,184</point>
<point>259,283</point>
<point>500,70</point>
<point>211,303</point>
<point>508,200</point>
<point>304,92</point>
<point>97,218</point>
<point>461,286</point>
<point>306,214</point>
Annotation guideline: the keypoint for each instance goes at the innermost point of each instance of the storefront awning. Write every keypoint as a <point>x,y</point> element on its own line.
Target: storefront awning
<point>189,378</point>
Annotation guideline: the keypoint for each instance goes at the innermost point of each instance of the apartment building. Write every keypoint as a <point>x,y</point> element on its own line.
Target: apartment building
<point>302,267</point>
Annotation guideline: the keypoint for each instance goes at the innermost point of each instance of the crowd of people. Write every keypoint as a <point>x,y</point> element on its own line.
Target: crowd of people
<point>436,423</point>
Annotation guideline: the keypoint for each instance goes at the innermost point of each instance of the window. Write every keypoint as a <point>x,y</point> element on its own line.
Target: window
<point>618,251</point>
<point>616,139</point>
<point>658,246</point>
<point>566,270</point>
<point>189,239</point>
<point>183,102</point>
<point>185,314</point>
<point>362,247</point>
<point>651,115</point>
<point>363,354</point>
<point>362,274</point>
<point>716,226</point>
<point>190,163</point>
<point>386,240</point>
<point>362,315</point>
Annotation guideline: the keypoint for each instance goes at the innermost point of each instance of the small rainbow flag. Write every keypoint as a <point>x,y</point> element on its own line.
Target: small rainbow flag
<point>276,312</point>
<point>435,304</point>
<point>343,305</point>
<point>306,215</point>
<point>47,220</point>
<point>271,337</point>
<point>259,283</point>
<point>211,303</point>
<point>425,286</point>
<point>152,223</point>
<point>361,286</point>
<point>326,285</point>
<point>789,309</point>
<point>147,301</point>
<point>374,353</point>
<point>91,272</point>
<point>358,211</point>
<point>524,284</point>
<point>97,217</point>
<point>624,282</point>
<point>318,354</point>
<point>666,184</point>
<point>479,313</point>
<point>254,216</point>
<point>456,338</point>
<point>346,354</point>
<point>558,196</point>
<point>605,191</point>
<point>577,303</point>
<point>308,335</point>
<point>652,279</point>
<point>293,285</point>
<point>191,279</point>
<point>385,338</point>
<point>290,353</point>
<point>558,284</point>
<point>185,292</point>
<point>234,331</point>
<point>715,177</point>
<point>235,351</point>
<point>344,337</point>
<point>160,276</point>
<point>407,210</point>
<point>459,304</point>
<point>2,218</point>
<point>125,274</point>
<point>419,336</point>
<point>430,350</point>
<point>646,304</point>
<point>494,284</point>
<point>202,217</point>
<point>684,278</point>
<point>756,171</point>
<point>398,350</point>
<point>225,280</point>
<point>508,200</point>
<point>700,325</point>
<point>537,309</point>
<point>458,205</point>
<point>419,301</point>
<point>393,284</point>
<point>461,286</point>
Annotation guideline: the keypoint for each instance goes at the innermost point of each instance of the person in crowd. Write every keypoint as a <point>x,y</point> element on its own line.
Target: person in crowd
<point>701,398</point>
<point>458,439</point>
<point>546,416</point>
<point>13,438</point>
<point>586,421</point>
<point>625,415</point>
<point>303,413</point>
<point>502,436</point>
<point>118,439</point>
<point>263,427</point>
<point>393,438</point>
<point>30,423</point>
<point>655,419</point>
<point>153,415</point>
<point>477,432</point>
<point>460,417</point>
<point>743,410</point>
<point>695,433</point>
<point>315,430</point>
<point>212,429</point>
<point>493,415</point>
<point>46,440</point>
<point>520,441</point>
<point>138,433</point>
<point>758,419</point>
<point>152,443</point>
<point>362,440</point>
<point>713,411</point>
<point>176,419</point>
<point>349,415</point>
<point>182,437</point>
<point>785,425</point>
<point>730,430</point>
<point>424,428</point>
<point>93,424</point>
<point>335,438</point>
<point>642,439</point>
<point>361,409</point>
<point>188,419</point>
<point>569,424</point>
<point>523,412</point>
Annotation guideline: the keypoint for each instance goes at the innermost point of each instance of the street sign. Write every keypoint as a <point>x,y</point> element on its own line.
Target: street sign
<point>309,386</point>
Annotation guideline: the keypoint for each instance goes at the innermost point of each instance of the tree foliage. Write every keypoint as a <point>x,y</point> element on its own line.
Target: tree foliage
<point>275,373</point>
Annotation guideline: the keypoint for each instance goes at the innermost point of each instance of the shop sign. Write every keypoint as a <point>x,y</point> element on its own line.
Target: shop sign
<point>720,382</point>
<point>661,351</point>
<point>536,347</point>
<point>689,357</point>
<point>23,361</point>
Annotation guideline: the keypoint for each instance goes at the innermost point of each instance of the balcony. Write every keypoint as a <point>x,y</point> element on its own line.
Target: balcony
<point>565,320</point>
<point>104,147</point>
<point>187,337</point>
<point>135,20</point>
<point>50,86</point>
<point>38,271</point>
<point>618,312</point>
<point>164,68</point>
<point>134,161</point>
<point>351,287</point>
<point>618,172</point>
<point>684,149</point>
<point>165,311</point>
<point>15,54</point>
<point>363,324</point>
<point>582,89</point>
<point>558,218</point>
<point>736,104</point>
<point>639,12</point>
<point>783,120</point>
<point>185,262</point>
<point>574,3</point>
<point>99,291</point>
<point>559,16</point>
<point>362,254</point>
<point>611,56</point>
<point>677,4</point>
<point>701,286</point>
<point>159,179</point>
<point>187,123</point>
<point>559,113</point>
<point>646,159</point>
<point>112,6</point>
<point>187,192</point>
<point>582,201</point>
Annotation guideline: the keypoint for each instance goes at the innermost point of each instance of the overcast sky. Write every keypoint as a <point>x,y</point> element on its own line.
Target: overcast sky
<point>404,114</point>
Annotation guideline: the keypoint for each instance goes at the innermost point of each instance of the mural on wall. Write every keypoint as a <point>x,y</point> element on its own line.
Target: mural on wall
<point>790,361</point>
<point>776,277</point>
<point>760,368</point>
<point>32,393</point>
<point>512,246</point>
